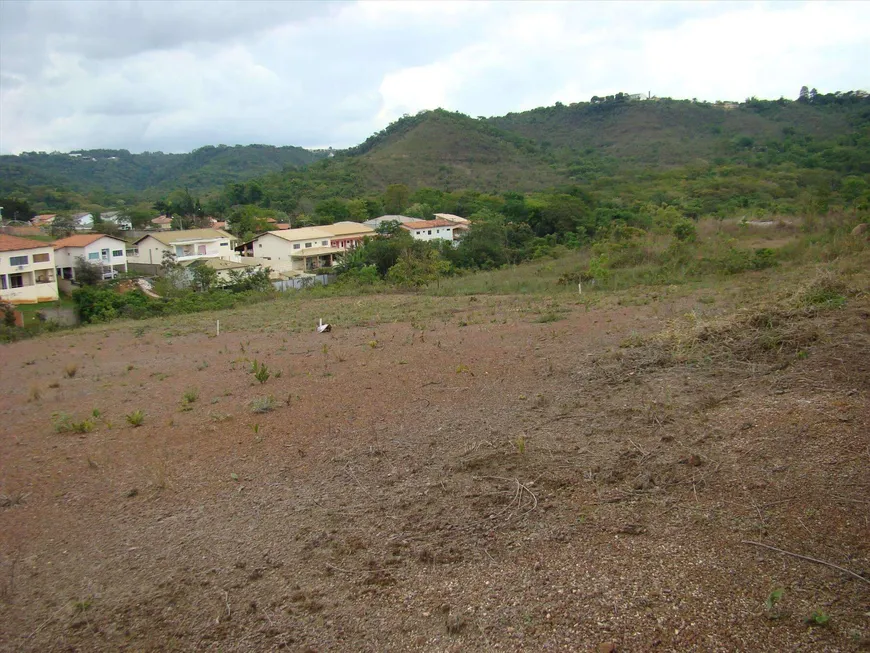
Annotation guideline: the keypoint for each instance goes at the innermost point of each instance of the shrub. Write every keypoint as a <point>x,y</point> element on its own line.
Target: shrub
<point>263,404</point>
<point>136,418</point>
<point>685,231</point>
<point>70,370</point>
<point>260,371</point>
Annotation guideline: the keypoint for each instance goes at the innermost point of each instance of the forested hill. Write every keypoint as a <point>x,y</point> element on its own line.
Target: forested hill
<point>119,172</point>
<point>627,153</point>
<point>754,153</point>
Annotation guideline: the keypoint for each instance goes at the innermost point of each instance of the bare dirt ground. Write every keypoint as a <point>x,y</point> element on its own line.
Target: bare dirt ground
<point>470,480</point>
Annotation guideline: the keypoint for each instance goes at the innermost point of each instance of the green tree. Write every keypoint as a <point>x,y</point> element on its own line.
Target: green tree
<point>86,273</point>
<point>357,210</point>
<point>16,209</point>
<point>396,198</point>
<point>417,268</point>
<point>202,276</point>
<point>485,244</point>
<point>62,226</point>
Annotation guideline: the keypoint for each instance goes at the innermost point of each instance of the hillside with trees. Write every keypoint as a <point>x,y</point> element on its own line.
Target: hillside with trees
<point>566,171</point>
<point>118,172</point>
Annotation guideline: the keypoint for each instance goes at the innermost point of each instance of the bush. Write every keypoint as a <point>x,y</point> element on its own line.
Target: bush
<point>685,231</point>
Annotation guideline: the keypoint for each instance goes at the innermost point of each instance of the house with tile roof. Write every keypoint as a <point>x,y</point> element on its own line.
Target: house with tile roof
<point>26,271</point>
<point>430,229</point>
<point>162,222</point>
<point>306,248</point>
<point>146,254</point>
<point>108,252</point>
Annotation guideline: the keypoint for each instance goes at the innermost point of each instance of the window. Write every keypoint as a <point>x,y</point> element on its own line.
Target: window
<point>296,245</point>
<point>308,244</point>
<point>18,260</point>
<point>44,276</point>
<point>16,280</point>
<point>430,232</point>
<point>200,249</point>
<point>133,252</point>
<point>93,256</point>
<point>325,243</point>
<point>225,244</point>
<point>3,285</point>
<point>117,252</point>
<point>40,258</point>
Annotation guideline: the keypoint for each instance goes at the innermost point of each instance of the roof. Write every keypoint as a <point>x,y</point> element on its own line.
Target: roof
<point>162,219</point>
<point>303,233</point>
<point>315,251</point>
<point>14,243</point>
<point>81,240</point>
<point>428,224</point>
<point>283,225</point>
<point>389,218</point>
<point>452,218</point>
<point>347,228</point>
<point>170,237</point>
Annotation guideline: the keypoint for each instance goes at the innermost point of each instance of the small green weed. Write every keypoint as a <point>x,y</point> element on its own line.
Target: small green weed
<point>772,602</point>
<point>136,418</point>
<point>818,618</point>
<point>190,396</point>
<point>260,371</point>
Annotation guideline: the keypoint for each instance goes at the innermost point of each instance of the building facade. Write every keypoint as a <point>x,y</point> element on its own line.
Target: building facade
<point>27,273</point>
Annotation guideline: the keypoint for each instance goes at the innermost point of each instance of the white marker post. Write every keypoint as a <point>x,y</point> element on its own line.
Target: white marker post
<point>218,328</point>
<point>579,288</point>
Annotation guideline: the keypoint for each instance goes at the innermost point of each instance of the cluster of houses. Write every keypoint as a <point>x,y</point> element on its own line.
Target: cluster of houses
<point>31,269</point>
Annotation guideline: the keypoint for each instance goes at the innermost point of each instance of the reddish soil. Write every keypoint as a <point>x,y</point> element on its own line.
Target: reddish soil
<point>517,487</point>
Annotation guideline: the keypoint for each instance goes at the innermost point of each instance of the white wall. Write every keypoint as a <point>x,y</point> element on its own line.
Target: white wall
<point>32,291</point>
<point>276,248</point>
<point>436,233</point>
<point>65,257</point>
<point>151,250</point>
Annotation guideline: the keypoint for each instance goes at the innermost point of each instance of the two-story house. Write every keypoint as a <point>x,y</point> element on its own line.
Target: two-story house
<point>108,252</point>
<point>26,271</point>
<point>307,248</point>
<point>146,254</point>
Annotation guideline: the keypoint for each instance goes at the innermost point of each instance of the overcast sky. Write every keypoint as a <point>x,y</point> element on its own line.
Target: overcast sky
<point>174,76</point>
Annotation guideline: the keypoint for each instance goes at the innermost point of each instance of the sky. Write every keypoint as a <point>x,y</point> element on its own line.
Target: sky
<point>174,76</point>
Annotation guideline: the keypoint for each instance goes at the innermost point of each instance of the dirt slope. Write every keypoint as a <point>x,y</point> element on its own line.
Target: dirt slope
<point>506,485</point>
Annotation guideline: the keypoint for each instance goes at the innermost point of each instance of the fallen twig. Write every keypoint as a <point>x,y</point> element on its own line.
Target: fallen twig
<point>803,557</point>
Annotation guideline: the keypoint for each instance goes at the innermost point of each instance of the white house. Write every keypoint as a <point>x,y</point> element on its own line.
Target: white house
<point>307,248</point>
<point>26,271</point>
<point>430,229</point>
<point>83,221</point>
<point>146,254</point>
<point>99,249</point>
<point>118,219</point>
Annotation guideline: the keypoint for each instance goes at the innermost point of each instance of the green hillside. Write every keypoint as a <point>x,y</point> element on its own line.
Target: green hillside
<point>622,157</point>
<point>671,132</point>
<point>119,172</point>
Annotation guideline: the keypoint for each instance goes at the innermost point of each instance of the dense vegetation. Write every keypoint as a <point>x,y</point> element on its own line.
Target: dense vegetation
<point>56,181</point>
<point>560,175</point>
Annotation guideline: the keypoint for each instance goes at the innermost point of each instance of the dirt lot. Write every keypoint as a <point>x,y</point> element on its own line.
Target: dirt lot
<point>441,474</point>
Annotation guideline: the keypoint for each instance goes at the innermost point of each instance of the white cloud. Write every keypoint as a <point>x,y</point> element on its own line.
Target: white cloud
<point>178,75</point>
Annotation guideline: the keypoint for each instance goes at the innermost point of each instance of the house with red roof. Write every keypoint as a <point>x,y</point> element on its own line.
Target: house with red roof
<point>108,252</point>
<point>26,271</point>
<point>430,229</point>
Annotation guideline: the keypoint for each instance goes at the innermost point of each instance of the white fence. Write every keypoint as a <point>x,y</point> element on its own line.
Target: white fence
<point>300,283</point>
